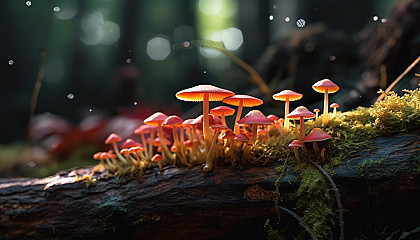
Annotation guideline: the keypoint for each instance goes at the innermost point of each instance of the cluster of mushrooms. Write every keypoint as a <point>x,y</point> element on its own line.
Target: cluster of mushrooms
<point>207,138</point>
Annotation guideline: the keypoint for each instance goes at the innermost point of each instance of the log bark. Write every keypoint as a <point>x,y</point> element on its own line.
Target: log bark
<point>379,189</point>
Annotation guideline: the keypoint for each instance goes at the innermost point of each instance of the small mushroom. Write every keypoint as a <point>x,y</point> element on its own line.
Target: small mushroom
<point>156,119</point>
<point>158,158</point>
<point>222,112</point>
<point>334,106</point>
<point>287,96</point>
<point>301,113</point>
<point>295,144</point>
<point>255,117</point>
<point>316,135</point>
<point>325,86</point>
<point>316,111</point>
<point>113,139</point>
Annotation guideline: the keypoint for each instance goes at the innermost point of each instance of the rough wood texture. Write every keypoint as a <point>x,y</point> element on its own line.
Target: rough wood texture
<point>186,203</point>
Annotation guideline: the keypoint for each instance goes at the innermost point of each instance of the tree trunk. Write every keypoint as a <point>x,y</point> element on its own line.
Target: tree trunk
<point>379,190</point>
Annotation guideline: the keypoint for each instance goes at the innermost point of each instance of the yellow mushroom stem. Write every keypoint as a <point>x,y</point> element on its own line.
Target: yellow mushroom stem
<point>209,157</point>
<point>206,124</point>
<point>236,129</point>
<point>117,152</point>
<point>286,112</point>
<point>165,151</point>
<point>297,155</point>
<point>325,113</point>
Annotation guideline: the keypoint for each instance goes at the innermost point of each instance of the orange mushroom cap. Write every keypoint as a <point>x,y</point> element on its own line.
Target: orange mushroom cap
<point>295,143</point>
<point>130,143</point>
<point>225,110</point>
<point>113,138</point>
<point>317,134</point>
<point>273,117</point>
<point>155,119</point>
<point>325,84</point>
<point>317,110</point>
<point>334,105</point>
<point>247,101</point>
<point>255,117</point>
<point>301,111</point>
<point>144,129</point>
<point>287,94</point>
<point>157,158</point>
<point>219,127</point>
<point>172,120</point>
<point>196,94</point>
<point>136,149</point>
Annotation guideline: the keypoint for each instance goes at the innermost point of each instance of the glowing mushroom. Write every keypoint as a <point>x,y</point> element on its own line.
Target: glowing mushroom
<point>301,113</point>
<point>325,86</point>
<point>316,135</point>
<point>316,111</point>
<point>255,117</point>
<point>204,93</point>
<point>113,139</point>
<point>295,144</point>
<point>241,101</point>
<point>287,96</point>
<point>222,111</point>
<point>156,119</point>
<point>334,106</point>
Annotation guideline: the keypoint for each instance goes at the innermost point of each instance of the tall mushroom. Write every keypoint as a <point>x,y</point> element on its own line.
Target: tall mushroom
<point>287,96</point>
<point>241,101</point>
<point>255,117</point>
<point>316,135</point>
<point>301,113</point>
<point>325,86</point>
<point>204,93</point>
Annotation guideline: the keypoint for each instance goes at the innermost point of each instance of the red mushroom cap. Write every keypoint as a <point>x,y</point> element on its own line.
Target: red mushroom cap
<point>144,129</point>
<point>247,101</point>
<point>287,94</point>
<point>225,110</point>
<point>316,135</point>
<point>130,143</point>
<point>316,110</point>
<point>188,122</point>
<point>219,127</point>
<point>155,119</point>
<point>136,149</point>
<point>157,158</point>
<point>273,117</point>
<point>295,143</point>
<point>301,112</point>
<point>255,117</point>
<point>242,137</point>
<point>172,121</point>
<point>113,138</point>
<point>228,135</point>
<point>196,94</point>
<point>325,84</point>
<point>334,105</point>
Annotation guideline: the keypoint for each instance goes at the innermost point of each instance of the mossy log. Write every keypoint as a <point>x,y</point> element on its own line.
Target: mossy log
<point>379,187</point>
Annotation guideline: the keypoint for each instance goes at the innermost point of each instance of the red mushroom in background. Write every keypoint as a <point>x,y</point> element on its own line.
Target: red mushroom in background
<point>301,113</point>
<point>255,117</point>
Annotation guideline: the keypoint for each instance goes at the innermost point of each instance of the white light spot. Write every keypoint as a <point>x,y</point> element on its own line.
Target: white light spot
<point>31,164</point>
<point>275,6</point>
<point>67,10</point>
<point>135,103</point>
<point>56,9</point>
<point>90,109</point>
<point>375,18</point>
<point>232,38</point>
<point>384,20</point>
<point>128,60</point>
<point>287,19</point>
<point>301,23</point>
<point>70,96</point>
<point>186,44</point>
<point>11,62</point>
<point>97,31</point>
<point>28,3</point>
<point>332,58</point>
<point>271,17</point>
<point>210,7</point>
<point>158,48</point>
<point>204,71</point>
<point>129,50</point>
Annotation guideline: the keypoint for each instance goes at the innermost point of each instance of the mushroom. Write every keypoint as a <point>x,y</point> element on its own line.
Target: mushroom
<point>316,135</point>
<point>175,121</point>
<point>287,96</point>
<point>325,86</point>
<point>222,111</point>
<point>255,117</point>
<point>302,113</point>
<point>158,158</point>
<point>241,101</point>
<point>142,130</point>
<point>209,158</point>
<point>156,119</point>
<point>113,139</point>
<point>334,106</point>
<point>204,93</point>
<point>295,144</point>
<point>316,111</point>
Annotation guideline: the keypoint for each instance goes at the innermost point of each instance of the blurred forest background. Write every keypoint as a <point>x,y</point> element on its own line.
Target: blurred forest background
<point>107,59</point>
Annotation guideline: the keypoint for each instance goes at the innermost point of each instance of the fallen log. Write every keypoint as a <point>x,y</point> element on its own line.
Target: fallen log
<point>379,188</point>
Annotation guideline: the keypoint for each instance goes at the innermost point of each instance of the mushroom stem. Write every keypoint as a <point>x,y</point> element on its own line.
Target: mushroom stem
<point>143,141</point>
<point>150,150</point>
<point>238,116</point>
<point>315,145</point>
<point>254,134</point>
<point>165,151</point>
<point>223,119</point>
<point>206,127</point>
<point>209,158</point>
<point>325,113</point>
<point>117,152</point>
<point>323,154</point>
<point>334,112</point>
<point>297,155</point>
<point>286,112</point>
<point>301,128</point>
